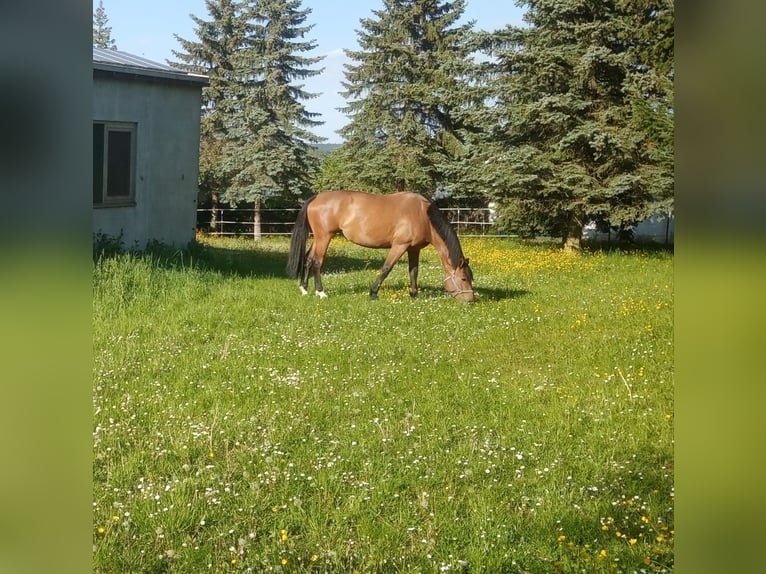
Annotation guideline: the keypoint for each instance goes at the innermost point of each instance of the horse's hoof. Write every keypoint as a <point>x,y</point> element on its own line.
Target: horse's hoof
<point>303,290</point>
<point>321,294</point>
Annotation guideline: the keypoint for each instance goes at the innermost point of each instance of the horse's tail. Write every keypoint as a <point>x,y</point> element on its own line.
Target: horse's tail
<point>296,262</point>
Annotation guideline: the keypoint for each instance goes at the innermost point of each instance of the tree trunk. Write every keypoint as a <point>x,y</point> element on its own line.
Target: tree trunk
<point>257,220</point>
<point>214,214</point>
<point>573,230</point>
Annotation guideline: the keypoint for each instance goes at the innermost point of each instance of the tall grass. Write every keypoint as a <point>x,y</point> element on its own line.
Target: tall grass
<point>240,426</point>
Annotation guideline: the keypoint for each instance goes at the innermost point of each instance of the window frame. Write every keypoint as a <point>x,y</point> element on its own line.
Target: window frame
<point>107,199</point>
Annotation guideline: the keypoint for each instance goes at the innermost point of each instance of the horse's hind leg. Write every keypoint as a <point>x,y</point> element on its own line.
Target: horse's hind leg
<point>316,261</point>
<point>304,284</point>
<point>318,290</point>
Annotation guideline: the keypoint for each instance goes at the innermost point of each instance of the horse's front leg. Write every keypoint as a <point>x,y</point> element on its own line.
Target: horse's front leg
<point>384,271</point>
<point>413,259</point>
<point>393,256</point>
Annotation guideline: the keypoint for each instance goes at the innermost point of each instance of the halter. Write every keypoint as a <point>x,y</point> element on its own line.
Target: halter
<point>458,290</point>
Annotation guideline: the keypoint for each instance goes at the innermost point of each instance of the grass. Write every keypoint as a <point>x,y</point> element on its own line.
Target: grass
<point>241,427</point>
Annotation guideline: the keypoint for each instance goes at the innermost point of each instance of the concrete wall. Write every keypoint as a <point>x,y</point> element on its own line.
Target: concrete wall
<point>167,117</point>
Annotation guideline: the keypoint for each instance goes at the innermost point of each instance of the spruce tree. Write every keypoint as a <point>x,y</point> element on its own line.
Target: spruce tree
<point>269,130</point>
<point>256,131</point>
<point>102,34</point>
<point>212,54</point>
<point>650,90</point>
<point>564,143</point>
<point>403,88</point>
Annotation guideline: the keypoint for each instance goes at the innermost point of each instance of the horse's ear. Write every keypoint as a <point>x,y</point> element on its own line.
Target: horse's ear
<point>462,263</point>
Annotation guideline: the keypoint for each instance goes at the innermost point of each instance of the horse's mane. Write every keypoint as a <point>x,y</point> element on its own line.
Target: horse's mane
<point>445,231</point>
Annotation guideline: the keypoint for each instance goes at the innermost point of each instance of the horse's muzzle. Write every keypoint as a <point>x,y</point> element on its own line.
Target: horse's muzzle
<point>463,295</point>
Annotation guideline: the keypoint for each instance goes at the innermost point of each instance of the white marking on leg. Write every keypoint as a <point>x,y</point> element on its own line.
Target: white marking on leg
<point>303,290</point>
<point>321,294</point>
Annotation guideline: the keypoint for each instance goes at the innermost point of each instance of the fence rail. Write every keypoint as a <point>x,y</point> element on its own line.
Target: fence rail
<point>468,221</point>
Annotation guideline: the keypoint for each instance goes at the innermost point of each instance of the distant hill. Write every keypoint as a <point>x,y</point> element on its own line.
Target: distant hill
<point>325,148</point>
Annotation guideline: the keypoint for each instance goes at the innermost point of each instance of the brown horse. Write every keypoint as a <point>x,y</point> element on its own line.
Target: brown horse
<point>399,222</point>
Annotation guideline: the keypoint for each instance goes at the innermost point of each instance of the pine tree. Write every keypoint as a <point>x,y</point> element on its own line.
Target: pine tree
<point>102,34</point>
<point>564,142</point>
<point>403,89</point>
<point>212,54</point>
<point>256,142</point>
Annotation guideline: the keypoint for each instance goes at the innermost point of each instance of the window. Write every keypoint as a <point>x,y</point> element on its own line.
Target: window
<point>113,164</point>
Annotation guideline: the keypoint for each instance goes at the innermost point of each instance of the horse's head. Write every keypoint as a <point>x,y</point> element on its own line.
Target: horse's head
<point>459,283</point>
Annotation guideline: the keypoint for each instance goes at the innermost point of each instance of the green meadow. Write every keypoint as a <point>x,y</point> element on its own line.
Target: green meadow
<point>239,426</point>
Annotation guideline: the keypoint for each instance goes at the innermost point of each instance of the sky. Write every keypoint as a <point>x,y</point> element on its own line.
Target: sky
<point>147,27</point>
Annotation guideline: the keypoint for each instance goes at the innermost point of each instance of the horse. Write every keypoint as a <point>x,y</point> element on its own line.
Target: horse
<point>401,222</point>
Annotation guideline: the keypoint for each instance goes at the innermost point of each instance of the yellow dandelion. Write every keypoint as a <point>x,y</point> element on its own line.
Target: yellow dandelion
<point>647,561</point>
<point>660,538</point>
<point>561,538</point>
<point>115,518</point>
<point>618,534</point>
<point>632,541</point>
<point>602,554</point>
<point>211,454</point>
<point>284,561</point>
<point>283,534</point>
<point>645,519</point>
<point>233,561</point>
<point>275,509</point>
<point>314,558</point>
<point>604,527</point>
<point>101,530</point>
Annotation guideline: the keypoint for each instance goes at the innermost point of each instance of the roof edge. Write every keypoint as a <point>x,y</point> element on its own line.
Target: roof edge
<point>117,63</point>
<point>117,70</point>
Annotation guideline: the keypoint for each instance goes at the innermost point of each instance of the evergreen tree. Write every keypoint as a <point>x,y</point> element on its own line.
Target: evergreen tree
<point>565,141</point>
<point>334,173</point>
<point>270,142</point>
<point>102,34</point>
<point>219,39</point>
<point>256,133</point>
<point>650,89</point>
<point>403,91</point>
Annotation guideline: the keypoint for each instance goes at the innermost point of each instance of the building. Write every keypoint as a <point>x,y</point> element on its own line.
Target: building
<point>146,119</point>
<point>658,229</point>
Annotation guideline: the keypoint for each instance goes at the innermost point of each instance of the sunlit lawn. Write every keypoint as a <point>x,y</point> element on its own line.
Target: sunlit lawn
<point>240,426</point>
